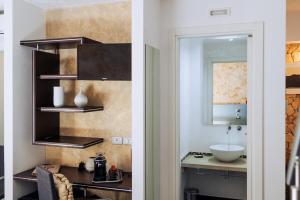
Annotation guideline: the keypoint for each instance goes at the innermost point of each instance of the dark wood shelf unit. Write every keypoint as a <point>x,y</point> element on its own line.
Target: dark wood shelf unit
<point>95,61</point>
<point>72,109</point>
<point>69,141</point>
<point>58,43</point>
<point>46,122</point>
<point>58,77</point>
<point>83,179</point>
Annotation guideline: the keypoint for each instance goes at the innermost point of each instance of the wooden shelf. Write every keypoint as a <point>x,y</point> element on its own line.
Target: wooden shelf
<point>292,90</point>
<point>72,109</point>
<point>58,43</point>
<point>83,179</point>
<point>58,77</point>
<point>69,141</point>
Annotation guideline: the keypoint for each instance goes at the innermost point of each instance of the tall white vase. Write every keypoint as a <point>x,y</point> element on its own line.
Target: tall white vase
<point>58,96</point>
<point>80,100</point>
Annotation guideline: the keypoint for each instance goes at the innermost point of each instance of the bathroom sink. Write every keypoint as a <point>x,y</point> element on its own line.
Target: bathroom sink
<point>227,152</point>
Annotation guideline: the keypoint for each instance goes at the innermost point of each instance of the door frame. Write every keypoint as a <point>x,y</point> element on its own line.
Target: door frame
<point>255,102</point>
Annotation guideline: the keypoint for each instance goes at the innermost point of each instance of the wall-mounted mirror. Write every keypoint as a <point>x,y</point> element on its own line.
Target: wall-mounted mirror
<point>225,65</point>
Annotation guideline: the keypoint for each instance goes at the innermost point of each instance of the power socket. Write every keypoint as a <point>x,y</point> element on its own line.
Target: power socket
<point>117,140</point>
<point>127,140</point>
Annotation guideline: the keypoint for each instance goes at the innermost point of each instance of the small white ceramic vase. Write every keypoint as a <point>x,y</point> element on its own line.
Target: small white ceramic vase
<point>58,96</point>
<point>89,165</point>
<point>80,100</point>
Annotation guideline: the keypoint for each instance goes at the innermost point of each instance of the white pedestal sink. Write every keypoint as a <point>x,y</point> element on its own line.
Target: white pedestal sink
<point>227,152</point>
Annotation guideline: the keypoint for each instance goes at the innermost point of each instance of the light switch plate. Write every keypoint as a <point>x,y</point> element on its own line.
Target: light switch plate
<point>127,140</point>
<point>117,140</point>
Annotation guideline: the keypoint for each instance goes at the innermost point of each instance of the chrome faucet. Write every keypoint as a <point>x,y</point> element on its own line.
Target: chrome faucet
<point>237,114</point>
<point>228,129</point>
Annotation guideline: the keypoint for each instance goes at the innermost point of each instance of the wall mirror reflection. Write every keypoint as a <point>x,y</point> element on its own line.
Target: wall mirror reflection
<point>225,67</point>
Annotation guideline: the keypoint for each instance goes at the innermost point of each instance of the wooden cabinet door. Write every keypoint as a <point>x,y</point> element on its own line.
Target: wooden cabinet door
<point>104,62</point>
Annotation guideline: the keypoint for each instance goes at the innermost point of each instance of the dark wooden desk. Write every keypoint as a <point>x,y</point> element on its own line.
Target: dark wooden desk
<point>83,179</point>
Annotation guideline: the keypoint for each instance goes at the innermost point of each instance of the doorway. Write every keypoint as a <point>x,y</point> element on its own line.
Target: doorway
<point>252,34</point>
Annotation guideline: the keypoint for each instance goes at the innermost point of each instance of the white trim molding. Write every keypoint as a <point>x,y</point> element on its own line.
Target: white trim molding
<point>138,101</point>
<point>255,102</point>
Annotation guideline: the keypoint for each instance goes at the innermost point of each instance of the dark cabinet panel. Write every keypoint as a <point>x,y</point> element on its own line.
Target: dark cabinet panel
<point>44,124</point>
<point>104,62</point>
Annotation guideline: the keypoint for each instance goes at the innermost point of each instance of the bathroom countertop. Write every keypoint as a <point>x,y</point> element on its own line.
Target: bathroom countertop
<point>210,162</point>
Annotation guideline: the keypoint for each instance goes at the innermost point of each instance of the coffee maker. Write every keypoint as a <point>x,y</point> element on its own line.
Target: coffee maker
<point>100,173</point>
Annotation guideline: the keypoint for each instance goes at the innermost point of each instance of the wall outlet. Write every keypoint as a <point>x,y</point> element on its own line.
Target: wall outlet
<point>117,140</point>
<point>127,140</point>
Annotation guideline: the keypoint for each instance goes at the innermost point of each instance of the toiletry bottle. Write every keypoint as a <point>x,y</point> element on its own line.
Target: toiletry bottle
<point>113,173</point>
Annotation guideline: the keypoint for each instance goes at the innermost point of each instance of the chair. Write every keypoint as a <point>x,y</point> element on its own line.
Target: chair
<point>46,186</point>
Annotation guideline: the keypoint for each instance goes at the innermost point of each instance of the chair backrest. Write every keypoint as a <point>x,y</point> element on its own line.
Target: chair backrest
<point>46,187</point>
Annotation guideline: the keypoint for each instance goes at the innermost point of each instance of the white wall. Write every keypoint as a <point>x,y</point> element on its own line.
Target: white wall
<point>292,25</point>
<point>189,13</point>
<point>1,23</point>
<point>145,30</point>
<point>1,31</point>
<point>138,101</point>
<point>152,17</point>
<point>191,74</point>
<point>22,21</point>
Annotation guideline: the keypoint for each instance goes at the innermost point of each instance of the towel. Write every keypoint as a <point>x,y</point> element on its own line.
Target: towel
<point>63,187</point>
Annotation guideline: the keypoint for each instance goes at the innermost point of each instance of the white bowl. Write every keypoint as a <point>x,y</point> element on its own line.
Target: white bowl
<point>227,152</point>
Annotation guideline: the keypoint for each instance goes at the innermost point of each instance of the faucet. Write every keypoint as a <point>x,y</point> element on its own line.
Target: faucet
<point>228,129</point>
<point>237,114</point>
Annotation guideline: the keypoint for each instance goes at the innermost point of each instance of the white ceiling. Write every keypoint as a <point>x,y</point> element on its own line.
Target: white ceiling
<point>50,4</point>
<point>293,5</point>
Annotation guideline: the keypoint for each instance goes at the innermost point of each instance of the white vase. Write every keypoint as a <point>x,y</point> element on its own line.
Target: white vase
<point>89,165</point>
<point>80,100</point>
<point>58,96</point>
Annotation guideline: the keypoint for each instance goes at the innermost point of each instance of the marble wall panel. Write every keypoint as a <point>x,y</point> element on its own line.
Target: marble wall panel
<point>230,83</point>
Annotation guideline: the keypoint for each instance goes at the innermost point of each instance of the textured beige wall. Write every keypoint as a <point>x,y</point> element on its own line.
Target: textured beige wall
<point>292,101</point>
<point>292,53</point>
<point>108,23</point>
<point>230,83</point>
